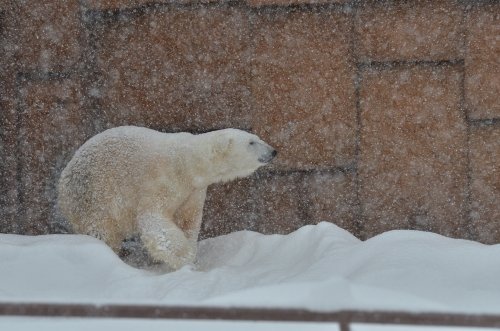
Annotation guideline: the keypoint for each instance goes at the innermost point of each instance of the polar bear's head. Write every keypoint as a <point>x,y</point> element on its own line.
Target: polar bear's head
<point>236,153</point>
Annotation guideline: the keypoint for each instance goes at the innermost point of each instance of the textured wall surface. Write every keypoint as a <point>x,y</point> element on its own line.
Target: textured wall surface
<point>386,113</point>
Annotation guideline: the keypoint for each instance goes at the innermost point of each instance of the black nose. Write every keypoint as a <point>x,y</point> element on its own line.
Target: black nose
<point>274,153</point>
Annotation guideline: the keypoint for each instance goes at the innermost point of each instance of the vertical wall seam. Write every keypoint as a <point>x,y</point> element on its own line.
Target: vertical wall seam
<point>91,22</point>
<point>470,230</point>
<point>354,48</point>
<point>259,180</point>
<point>3,124</point>
<point>19,210</point>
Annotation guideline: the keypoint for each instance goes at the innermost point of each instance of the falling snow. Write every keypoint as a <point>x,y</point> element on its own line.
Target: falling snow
<point>385,115</point>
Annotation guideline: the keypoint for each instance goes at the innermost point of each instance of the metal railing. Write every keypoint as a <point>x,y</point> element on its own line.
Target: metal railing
<point>343,318</point>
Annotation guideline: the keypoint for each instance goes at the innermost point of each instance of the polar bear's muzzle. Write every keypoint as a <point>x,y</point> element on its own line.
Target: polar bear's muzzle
<point>268,156</point>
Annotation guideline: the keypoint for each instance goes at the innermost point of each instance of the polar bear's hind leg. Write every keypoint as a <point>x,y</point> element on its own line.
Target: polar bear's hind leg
<point>106,229</point>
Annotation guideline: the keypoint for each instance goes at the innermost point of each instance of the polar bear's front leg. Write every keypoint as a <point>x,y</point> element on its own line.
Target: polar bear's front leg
<point>164,241</point>
<point>190,214</point>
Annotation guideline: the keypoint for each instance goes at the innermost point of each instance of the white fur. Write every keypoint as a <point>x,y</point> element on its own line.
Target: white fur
<point>131,180</point>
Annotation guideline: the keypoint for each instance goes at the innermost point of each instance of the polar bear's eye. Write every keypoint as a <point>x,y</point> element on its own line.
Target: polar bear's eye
<point>252,143</point>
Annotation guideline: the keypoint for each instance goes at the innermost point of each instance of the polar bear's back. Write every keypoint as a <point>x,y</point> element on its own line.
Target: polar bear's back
<point>107,171</point>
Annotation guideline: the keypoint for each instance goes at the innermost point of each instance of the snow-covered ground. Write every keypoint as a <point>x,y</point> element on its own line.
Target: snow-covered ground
<point>320,267</point>
<point>80,324</point>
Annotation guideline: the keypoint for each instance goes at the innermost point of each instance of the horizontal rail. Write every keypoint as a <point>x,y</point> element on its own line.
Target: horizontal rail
<point>246,314</point>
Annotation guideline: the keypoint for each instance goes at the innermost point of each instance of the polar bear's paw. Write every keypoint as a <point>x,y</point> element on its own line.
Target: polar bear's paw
<point>169,250</point>
<point>165,242</point>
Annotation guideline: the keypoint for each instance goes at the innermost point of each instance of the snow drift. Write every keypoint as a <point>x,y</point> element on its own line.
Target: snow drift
<point>320,267</point>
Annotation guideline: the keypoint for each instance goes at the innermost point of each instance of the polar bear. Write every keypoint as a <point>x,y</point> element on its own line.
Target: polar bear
<point>130,181</point>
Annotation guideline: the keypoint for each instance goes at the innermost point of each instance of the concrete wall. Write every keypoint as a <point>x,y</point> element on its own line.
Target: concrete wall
<point>386,113</point>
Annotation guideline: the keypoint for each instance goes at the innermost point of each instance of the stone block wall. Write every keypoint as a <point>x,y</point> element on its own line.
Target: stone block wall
<point>385,113</point>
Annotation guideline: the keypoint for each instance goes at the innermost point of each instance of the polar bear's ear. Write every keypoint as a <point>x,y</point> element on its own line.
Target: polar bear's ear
<point>222,145</point>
